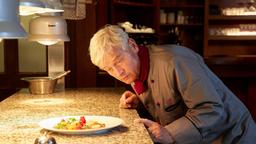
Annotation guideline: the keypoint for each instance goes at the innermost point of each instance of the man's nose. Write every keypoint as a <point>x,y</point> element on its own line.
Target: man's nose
<point>118,71</point>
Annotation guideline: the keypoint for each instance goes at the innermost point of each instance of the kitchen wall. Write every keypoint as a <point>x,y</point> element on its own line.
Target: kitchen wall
<point>1,57</point>
<point>32,55</point>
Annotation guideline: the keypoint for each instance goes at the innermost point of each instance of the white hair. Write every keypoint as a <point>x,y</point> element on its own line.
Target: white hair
<point>106,39</point>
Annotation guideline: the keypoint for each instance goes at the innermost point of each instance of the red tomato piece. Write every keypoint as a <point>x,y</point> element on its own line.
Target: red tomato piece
<point>82,119</point>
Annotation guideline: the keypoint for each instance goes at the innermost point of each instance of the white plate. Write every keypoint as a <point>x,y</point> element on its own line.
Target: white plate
<point>110,122</point>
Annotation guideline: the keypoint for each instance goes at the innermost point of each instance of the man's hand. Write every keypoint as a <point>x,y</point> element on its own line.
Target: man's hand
<point>128,100</point>
<point>159,133</point>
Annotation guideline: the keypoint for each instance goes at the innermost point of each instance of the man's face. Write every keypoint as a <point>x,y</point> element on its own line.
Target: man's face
<point>123,65</point>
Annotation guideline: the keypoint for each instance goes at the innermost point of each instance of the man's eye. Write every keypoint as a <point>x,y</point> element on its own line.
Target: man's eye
<point>109,69</point>
<point>119,62</point>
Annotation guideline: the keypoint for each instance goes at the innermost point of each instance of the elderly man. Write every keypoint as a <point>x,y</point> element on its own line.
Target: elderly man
<point>188,103</point>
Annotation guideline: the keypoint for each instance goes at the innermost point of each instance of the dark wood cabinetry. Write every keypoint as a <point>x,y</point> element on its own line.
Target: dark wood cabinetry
<point>229,46</point>
<point>228,32</point>
<point>184,24</point>
<point>174,22</point>
<point>143,13</point>
<point>188,31</point>
<point>136,12</point>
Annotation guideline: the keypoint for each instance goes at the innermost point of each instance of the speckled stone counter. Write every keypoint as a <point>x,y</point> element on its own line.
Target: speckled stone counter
<point>21,112</point>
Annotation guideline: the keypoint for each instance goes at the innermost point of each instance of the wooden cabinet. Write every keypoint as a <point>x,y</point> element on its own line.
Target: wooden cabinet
<point>229,46</point>
<point>199,24</point>
<point>174,22</point>
<point>142,13</point>
<point>229,31</point>
<point>183,24</point>
<point>137,12</point>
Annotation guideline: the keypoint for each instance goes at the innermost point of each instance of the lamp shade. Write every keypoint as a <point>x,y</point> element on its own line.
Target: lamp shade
<point>48,30</point>
<point>29,7</point>
<point>10,27</point>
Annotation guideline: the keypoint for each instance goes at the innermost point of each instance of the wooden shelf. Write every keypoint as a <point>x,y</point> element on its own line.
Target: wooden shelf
<point>246,38</point>
<point>231,60</point>
<point>189,20</point>
<point>178,6</point>
<point>231,45</point>
<point>101,72</point>
<point>133,4</point>
<point>145,34</point>
<point>220,17</point>
<point>182,25</point>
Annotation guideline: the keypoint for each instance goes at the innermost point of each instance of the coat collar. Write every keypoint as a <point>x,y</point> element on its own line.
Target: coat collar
<point>139,85</point>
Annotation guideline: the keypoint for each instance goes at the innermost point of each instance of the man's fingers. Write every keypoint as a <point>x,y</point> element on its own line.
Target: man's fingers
<point>123,99</point>
<point>129,99</point>
<point>146,122</point>
<point>127,94</point>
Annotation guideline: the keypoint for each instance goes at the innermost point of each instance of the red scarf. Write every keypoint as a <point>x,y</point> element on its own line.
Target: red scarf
<point>139,85</point>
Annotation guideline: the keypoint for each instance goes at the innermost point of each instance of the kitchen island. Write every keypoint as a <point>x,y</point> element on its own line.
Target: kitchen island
<point>21,112</point>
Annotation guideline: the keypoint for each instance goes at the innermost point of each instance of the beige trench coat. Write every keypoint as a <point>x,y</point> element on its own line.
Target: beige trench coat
<point>191,102</point>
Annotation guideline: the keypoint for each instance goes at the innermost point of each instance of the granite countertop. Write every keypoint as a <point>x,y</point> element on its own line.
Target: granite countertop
<point>21,112</point>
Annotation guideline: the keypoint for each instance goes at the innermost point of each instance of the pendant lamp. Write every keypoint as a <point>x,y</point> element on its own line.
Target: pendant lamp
<point>48,30</point>
<point>10,27</point>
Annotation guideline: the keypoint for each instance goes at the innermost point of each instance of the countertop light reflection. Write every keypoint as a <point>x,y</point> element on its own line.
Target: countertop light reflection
<point>47,101</point>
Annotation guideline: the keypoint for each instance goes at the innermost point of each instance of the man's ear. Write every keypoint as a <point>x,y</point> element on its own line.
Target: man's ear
<point>133,45</point>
